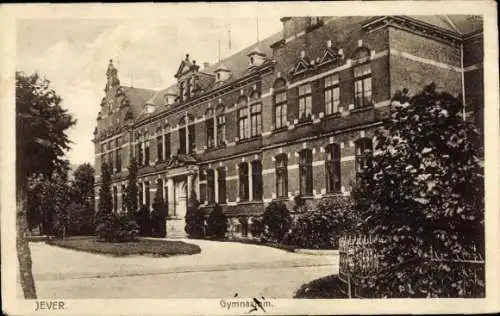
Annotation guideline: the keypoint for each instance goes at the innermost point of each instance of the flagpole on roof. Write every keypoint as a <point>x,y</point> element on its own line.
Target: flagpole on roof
<point>257,25</point>
<point>229,37</point>
<point>219,49</point>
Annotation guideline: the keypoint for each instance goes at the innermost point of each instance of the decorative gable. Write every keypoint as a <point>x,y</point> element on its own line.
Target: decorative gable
<point>186,67</point>
<point>303,64</point>
<point>331,54</point>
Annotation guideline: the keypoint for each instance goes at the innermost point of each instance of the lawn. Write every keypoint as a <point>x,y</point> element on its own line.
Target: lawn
<point>148,247</point>
<point>327,287</point>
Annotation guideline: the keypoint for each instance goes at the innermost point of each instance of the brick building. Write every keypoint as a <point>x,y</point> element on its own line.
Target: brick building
<point>290,115</point>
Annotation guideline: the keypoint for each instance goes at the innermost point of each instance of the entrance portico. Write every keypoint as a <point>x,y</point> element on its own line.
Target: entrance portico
<point>182,177</point>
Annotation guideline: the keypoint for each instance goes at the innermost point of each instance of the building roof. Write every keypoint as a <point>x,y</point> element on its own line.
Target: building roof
<point>138,97</point>
<point>461,24</point>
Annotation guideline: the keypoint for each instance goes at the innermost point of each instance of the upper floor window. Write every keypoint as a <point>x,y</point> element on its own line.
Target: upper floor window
<point>332,165</point>
<point>118,158</point>
<point>332,94</point>
<point>167,146</point>
<point>362,85</point>
<point>364,149</point>
<point>305,103</point>
<point>221,185</point>
<point>243,177</point>
<point>146,152</point>
<point>187,141</point>
<point>243,123</point>
<point>256,119</point>
<point>210,132</point>
<point>257,180</point>
<point>281,176</point>
<point>159,146</point>
<point>306,174</point>
<point>221,129</point>
<point>280,119</point>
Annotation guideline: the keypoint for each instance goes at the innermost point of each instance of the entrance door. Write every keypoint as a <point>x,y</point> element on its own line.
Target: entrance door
<point>180,198</point>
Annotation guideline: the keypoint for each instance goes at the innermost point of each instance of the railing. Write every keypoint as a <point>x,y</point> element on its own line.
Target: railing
<point>358,260</point>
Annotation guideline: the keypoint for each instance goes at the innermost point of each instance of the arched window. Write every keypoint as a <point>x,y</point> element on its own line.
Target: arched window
<point>281,176</point>
<point>332,165</point>
<point>306,174</point>
<point>280,104</point>
<point>243,177</point>
<point>364,149</point>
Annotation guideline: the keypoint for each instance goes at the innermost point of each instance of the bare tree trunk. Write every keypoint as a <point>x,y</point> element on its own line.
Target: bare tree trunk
<point>22,246</point>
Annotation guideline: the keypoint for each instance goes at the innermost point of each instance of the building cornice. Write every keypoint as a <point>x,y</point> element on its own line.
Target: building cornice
<point>414,26</point>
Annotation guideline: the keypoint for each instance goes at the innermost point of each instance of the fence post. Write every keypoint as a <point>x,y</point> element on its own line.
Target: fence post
<point>349,285</point>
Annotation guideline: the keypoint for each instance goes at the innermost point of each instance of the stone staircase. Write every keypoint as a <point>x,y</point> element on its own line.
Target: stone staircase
<point>175,228</point>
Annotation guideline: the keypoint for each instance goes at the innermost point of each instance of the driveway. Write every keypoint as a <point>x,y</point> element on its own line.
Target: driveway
<point>220,270</point>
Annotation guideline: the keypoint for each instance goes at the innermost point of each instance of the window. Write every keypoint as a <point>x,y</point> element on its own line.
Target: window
<point>332,94</point>
<point>332,166</point>
<point>191,138</point>
<point>118,160</point>
<point>305,103</point>
<point>243,170</point>
<point>362,85</point>
<point>181,91</point>
<point>256,119</point>
<point>167,146</point>
<point>146,152</point>
<point>281,176</point>
<point>243,123</point>
<point>182,136</point>
<point>123,190</point>
<point>147,202</point>
<point>115,199</point>
<point>221,129</point>
<point>159,187</point>
<point>110,161</point>
<point>210,186</point>
<point>140,194</point>
<point>364,149</point>
<point>306,176</point>
<point>280,120</point>
<point>257,180</point>
<point>209,122</point>
<point>159,148</point>
<point>221,185</point>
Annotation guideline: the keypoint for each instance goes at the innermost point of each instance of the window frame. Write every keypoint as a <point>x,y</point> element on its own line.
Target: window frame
<point>243,178</point>
<point>257,183</point>
<point>361,78</point>
<point>333,168</point>
<point>281,170</point>
<point>306,184</point>
<point>331,103</point>
<point>210,187</point>
<point>255,119</point>
<point>305,102</point>
<point>363,151</point>
<point>243,123</point>
<point>221,185</point>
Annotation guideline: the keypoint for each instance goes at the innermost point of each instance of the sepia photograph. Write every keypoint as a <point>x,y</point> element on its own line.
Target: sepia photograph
<point>249,158</point>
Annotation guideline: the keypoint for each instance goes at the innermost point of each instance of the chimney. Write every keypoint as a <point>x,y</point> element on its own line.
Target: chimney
<point>206,65</point>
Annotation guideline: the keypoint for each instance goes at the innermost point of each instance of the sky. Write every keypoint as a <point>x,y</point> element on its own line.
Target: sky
<point>74,54</point>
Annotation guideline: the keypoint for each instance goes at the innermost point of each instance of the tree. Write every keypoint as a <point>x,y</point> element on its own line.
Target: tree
<point>41,125</point>
<point>422,191</point>
<point>83,185</point>
<point>158,216</point>
<point>105,198</point>
<point>217,223</point>
<point>130,198</point>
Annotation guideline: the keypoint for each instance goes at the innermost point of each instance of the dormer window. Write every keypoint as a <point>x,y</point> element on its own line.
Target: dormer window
<point>256,58</point>
<point>222,73</point>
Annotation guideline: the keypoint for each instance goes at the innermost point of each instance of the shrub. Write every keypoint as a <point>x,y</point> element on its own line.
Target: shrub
<point>276,221</point>
<point>321,228</point>
<point>116,228</point>
<point>217,223</point>
<point>256,228</point>
<point>195,220</point>
<point>81,219</point>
